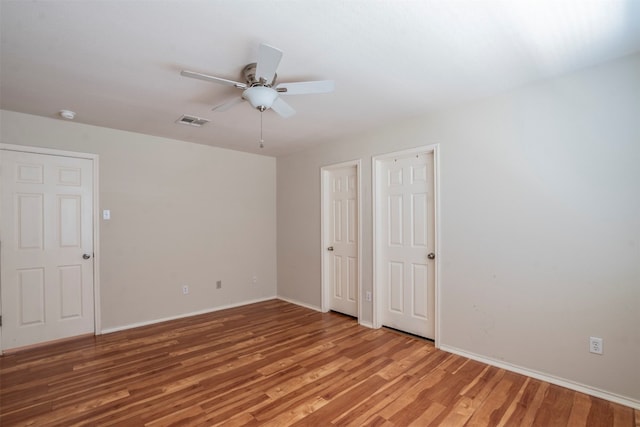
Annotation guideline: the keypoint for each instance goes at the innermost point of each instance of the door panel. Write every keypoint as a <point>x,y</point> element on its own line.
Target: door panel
<point>419,220</point>
<point>343,238</point>
<point>352,274</point>
<point>70,291</point>
<point>396,287</point>
<point>419,284</point>
<point>337,277</point>
<point>70,225</point>
<point>30,217</point>
<point>47,225</point>
<point>406,231</point>
<point>396,218</point>
<point>30,296</point>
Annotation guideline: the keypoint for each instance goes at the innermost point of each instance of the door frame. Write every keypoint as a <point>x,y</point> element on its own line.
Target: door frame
<point>376,163</point>
<point>97,327</point>
<point>324,230</point>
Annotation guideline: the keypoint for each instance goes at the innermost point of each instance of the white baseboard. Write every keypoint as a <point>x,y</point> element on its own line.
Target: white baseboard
<point>313,307</point>
<point>181,316</point>
<point>301,304</point>
<point>582,388</point>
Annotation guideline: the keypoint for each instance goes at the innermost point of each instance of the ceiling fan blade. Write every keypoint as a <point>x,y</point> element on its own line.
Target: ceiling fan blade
<point>268,60</point>
<point>282,108</point>
<point>207,78</point>
<point>303,88</point>
<point>227,105</point>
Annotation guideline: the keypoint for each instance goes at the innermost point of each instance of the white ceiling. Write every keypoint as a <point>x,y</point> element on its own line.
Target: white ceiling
<point>117,63</point>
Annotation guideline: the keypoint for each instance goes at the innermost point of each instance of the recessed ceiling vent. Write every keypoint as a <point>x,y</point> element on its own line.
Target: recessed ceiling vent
<point>192,121</point>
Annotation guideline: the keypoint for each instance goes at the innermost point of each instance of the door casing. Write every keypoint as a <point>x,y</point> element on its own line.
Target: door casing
<point>96,234</point>
<point>324,230</point>
<point>378,289</point>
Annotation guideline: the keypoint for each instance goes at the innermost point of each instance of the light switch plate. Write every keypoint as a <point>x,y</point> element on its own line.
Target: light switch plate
<point>106,214</point>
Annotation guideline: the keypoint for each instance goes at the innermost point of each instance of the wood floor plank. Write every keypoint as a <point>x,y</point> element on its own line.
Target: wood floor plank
<point>408,398</point>
<point>601,413</point>
<point>498,401</point>
<point>531,409</point>
<point>341,402</point>
<point>510,417</point>
<point>556,407</point>
<point>379,399</point>
<point>275,363</point>
<point>579,410</point>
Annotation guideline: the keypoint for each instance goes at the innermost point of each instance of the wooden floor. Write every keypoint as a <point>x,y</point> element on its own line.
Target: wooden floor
<point>278,364</point>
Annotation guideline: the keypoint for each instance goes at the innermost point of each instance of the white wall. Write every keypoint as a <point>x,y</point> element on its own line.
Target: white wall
<point>182,213</point>
<point>540,223</point>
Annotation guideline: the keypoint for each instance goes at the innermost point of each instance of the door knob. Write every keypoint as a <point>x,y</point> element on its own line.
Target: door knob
<point>330,248</point>
<point>431,255</point>
<point>86,256</point>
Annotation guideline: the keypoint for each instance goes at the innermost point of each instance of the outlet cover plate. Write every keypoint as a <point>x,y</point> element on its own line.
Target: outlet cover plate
<point>595,345</point>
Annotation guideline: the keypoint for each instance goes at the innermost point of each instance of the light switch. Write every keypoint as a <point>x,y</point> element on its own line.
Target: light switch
<point>106,214</point>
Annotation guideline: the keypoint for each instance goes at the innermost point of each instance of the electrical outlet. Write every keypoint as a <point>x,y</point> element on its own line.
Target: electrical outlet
<point>185,289</point>
<point>595,345</point>
<point>219,284</point>
<point>367,296</point>
<point>254,280</point>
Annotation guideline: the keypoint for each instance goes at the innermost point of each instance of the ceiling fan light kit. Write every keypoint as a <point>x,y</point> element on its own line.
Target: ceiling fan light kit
<point>260,97</point>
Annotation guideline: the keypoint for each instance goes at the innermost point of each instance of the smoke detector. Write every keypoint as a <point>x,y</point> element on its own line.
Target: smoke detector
<point>67,114</point>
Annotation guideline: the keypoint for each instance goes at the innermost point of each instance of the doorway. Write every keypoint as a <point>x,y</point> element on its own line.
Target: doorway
<point>341,247</point>
<point>48,265</point>
<point>405,241</point>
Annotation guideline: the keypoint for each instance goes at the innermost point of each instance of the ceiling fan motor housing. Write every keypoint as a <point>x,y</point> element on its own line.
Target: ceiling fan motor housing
<point>249,73</point>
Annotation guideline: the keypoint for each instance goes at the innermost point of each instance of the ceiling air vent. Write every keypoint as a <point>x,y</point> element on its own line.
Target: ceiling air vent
<point>191,121</point>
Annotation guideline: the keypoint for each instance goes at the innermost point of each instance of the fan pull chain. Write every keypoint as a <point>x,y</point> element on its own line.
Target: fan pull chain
<point>261,140</point>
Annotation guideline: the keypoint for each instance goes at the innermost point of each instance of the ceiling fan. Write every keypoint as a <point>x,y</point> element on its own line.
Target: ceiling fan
<point>260,87</point>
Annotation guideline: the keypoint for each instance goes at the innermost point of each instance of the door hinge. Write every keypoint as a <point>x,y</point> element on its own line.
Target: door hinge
<point>0,320</point>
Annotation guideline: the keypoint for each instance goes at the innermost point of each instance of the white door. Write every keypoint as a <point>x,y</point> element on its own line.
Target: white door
<point>406,243</point>
<point>47,247</point>
<point>342,239</point>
